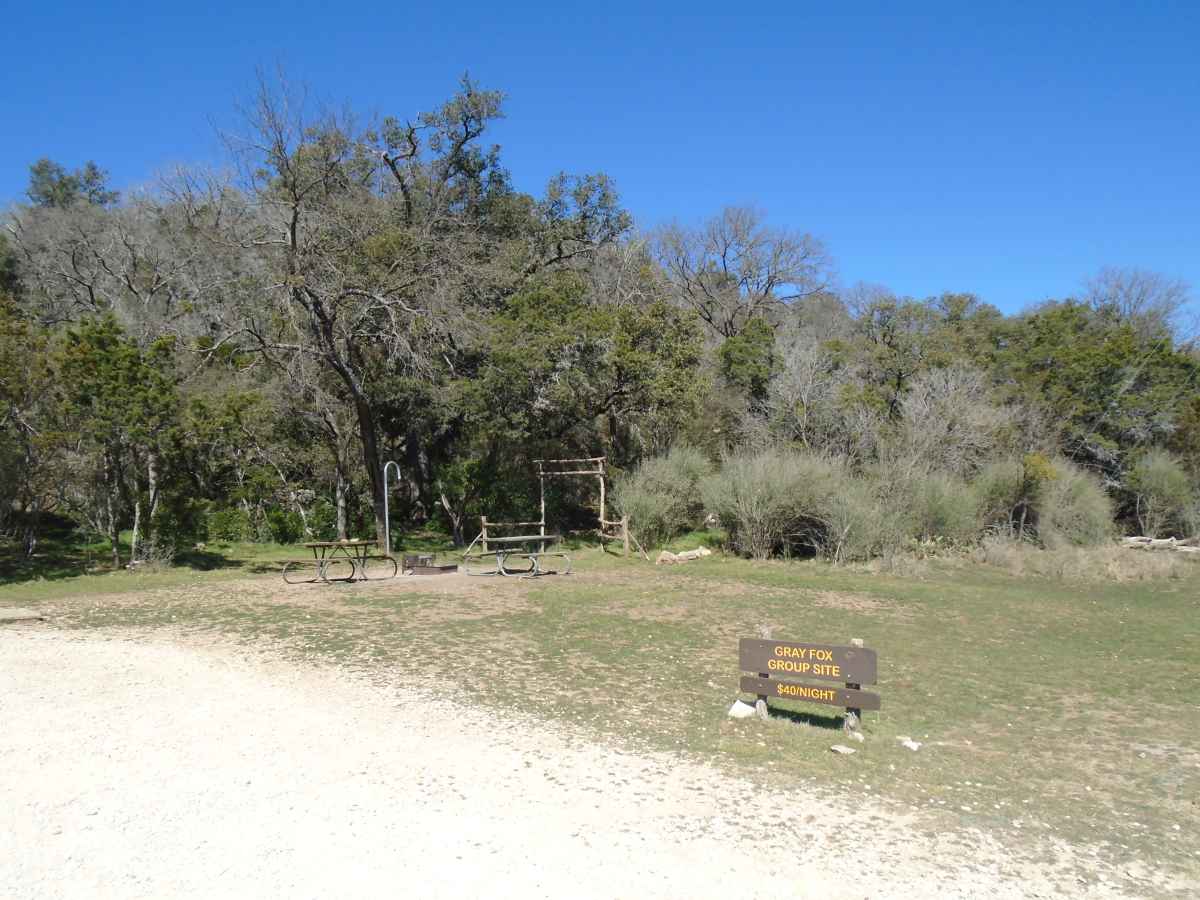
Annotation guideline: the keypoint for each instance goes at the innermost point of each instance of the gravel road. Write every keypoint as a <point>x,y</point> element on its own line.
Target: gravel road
<point>145,766</point>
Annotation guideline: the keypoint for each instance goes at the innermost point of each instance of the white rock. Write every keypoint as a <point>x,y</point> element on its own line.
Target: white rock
<point>857,736</point>
<point>842,748</point>
<point>910,744</point>
<point>760,707</point>
<point>740,710</point>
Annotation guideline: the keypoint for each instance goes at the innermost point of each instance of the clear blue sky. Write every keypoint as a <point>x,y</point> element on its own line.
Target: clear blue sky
<point>1008,151</point>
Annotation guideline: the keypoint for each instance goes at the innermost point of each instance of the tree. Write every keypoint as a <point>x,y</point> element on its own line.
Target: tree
<point>734,270</point>
<point>117,404</point>
<point>50,185</point>
<point>1148,301</point>
<point>747,360</point>
<point>1109,389</point>
<point>894,339</point>
<point>26,447</point>
<point>376,245</point>
<point>948,423</point>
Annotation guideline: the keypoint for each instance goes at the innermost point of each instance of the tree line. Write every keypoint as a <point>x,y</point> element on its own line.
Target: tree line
<point>233,354</point>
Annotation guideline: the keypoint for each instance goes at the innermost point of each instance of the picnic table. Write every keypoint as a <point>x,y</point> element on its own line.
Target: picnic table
<point>529,547</point>
<point>340,561</point>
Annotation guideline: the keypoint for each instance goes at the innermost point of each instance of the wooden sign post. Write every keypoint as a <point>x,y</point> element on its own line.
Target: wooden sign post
<point>852,666</point>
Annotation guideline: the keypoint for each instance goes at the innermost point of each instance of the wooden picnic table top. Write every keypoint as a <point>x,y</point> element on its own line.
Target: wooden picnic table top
<point>357,542</point>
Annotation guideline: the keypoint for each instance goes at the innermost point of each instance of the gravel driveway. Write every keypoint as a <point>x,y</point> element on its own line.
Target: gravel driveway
<point>143,766</point>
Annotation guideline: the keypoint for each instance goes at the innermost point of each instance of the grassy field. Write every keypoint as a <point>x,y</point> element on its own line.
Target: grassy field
<point>1047,708</point>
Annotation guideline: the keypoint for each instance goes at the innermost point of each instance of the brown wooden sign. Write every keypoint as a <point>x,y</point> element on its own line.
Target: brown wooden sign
<point>810,693</point>
<point>825,662</point>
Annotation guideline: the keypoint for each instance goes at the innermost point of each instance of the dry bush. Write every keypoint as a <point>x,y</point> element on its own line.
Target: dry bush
<point>1108,562</point>
<point>1163,495</point>
<point>1050,498</point>
<point>765,498</point>
<point>1073,509</point>
<point>931,507</point>
<point>863,521</point>
<point>948,423</point>
<point>662,496</point>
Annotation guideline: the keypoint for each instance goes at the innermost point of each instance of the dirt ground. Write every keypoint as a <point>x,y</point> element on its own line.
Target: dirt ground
<point>149,765</point>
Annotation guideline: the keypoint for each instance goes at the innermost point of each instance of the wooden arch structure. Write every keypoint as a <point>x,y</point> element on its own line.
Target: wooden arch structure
<point>587,467</point>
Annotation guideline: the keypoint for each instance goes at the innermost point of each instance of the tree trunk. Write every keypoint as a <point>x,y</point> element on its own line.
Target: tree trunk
<point>341,489</point>
<point>368,433</point>
<point>153,491</point>
<point>137,527</point>
<point>456,517</point>
<point>110,508</point>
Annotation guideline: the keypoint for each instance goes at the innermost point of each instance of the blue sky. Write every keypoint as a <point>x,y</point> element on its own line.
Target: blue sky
<point>1008,149</point>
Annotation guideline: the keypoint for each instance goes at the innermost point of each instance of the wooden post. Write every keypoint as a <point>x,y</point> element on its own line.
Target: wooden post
<point>625,532</point>
<point>483,532</point>
<point>760,705</point>
<point>541,508</point>
<point>602,516</point>
<point>854,716</point>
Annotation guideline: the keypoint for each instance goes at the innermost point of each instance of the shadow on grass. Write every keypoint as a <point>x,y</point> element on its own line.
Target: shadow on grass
<point>817,720</point>
<point>207,561</point>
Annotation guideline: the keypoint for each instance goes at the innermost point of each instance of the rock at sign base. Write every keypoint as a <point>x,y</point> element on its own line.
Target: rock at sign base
<point>764,711</point>
<point>842,748</point>
<point>740,710</point>
<point>911,744</point>
<point>857,736</point>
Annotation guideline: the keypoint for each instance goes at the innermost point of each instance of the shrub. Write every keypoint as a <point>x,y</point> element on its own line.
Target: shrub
<point>766,498</point>
<point>1072,509</point>
<point>662,496</point>
<point>1107,563</point>
<point>229,524</point>
<point>322,521</point>
<point>180,521</point>
<point>1163,498</point>
<point>943,507</point>
<point>997,491</point>
<point>284,526</point>
<point>1050,498</point>
<point>860,522</point>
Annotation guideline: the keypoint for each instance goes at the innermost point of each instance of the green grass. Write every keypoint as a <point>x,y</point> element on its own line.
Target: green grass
<point>1045,708</point>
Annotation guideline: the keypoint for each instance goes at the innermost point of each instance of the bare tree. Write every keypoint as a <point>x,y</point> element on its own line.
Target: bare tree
<point>948,423</point>
<point>1153,303</point>
<point>734,268</point>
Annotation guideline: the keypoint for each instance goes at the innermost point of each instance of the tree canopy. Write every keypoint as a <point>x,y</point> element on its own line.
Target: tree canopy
<point>237,353</point>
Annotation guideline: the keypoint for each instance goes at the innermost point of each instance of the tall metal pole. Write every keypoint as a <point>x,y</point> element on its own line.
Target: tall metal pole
<point>387,522</point>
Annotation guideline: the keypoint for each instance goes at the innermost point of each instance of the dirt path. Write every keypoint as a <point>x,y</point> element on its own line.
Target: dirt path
<point>142,767</point>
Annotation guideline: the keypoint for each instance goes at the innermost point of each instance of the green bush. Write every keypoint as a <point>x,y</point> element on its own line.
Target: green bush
<point>662,496</point>
<point>180,521</point>
<point>230,524</point>
<point>322,521</point>
<point>284,526</point>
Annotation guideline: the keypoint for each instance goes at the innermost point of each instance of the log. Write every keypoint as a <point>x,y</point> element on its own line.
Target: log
<point>668,558</point>
<point>1147,543</point>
